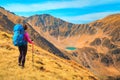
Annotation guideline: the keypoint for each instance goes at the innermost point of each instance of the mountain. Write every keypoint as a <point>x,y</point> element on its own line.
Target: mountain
<point>15,19</point>
<point>56,30</point>
<point>102,48</point>
<point>96,43</point>
<point>41,69</point>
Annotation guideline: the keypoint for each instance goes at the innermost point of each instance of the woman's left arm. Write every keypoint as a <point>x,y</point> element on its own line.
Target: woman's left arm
<point>28,38</point>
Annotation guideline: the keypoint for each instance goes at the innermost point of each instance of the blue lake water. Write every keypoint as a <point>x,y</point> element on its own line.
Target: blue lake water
<point>71,48</point>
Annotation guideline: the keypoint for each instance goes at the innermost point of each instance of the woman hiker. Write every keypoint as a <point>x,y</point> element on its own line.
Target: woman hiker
<point>23,48</point>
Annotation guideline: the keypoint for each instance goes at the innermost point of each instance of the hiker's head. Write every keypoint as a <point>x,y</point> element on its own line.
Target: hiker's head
<point>25,27</point>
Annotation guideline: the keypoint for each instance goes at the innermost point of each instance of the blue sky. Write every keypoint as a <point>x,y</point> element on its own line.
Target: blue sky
<point>74,11</point>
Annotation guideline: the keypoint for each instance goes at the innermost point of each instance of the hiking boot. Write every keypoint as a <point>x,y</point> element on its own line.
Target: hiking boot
<point>19,64</point>
<point>22,67</point>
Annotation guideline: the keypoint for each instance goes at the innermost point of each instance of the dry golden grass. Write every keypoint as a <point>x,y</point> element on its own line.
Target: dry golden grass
<point>46,65</point>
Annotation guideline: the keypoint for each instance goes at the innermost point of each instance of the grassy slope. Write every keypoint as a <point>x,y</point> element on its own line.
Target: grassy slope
<point>46,65</point>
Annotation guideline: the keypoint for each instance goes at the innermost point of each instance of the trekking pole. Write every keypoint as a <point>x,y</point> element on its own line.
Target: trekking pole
<point>32,54</point>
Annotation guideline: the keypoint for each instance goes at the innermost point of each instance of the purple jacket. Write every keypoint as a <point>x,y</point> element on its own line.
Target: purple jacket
<point>27,38</point>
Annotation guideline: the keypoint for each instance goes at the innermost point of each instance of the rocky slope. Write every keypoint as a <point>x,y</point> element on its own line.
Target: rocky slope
<point>100,52</point>
<point>11,16</point>
<point>5,22</point>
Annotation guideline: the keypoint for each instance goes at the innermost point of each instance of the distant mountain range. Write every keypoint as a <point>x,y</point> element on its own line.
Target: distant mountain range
<point>97,44</point>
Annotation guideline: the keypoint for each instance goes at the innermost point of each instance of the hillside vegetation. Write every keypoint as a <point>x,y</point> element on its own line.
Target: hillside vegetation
<point>46,66</point>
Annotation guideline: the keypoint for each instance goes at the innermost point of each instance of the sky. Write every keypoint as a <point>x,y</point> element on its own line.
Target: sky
<point>74,11</point>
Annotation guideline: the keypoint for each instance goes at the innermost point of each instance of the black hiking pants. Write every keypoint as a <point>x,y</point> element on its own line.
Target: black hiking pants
<point>22,56</point>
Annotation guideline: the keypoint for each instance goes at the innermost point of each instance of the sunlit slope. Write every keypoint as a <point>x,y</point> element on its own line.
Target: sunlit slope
<point>46,65</point>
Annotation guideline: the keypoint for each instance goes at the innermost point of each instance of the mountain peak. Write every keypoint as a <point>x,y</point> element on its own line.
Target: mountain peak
<point>3,9</point>
<point>118,14</point>
<point>113,16</point>
<point>37,15</point>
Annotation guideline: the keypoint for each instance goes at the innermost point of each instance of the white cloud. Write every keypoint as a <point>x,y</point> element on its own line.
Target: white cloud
<point>86,18</point>
<point>16,7</point>
<point>21,8</point>
<point>44,6</point>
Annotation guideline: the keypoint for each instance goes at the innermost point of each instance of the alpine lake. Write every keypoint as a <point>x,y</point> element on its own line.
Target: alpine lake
<point>71,48</point>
